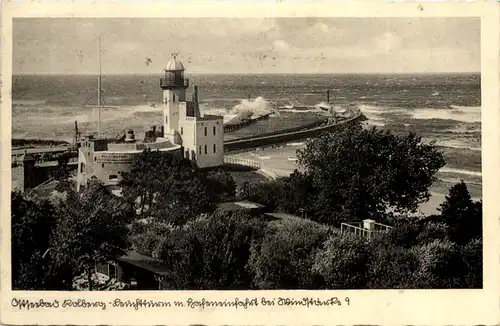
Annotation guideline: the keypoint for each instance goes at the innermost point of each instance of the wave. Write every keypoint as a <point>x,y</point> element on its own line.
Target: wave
<point>460,171</point>
<point>471,114</point>
<point>248,108</point>
<point>311,110</point>
<point>379,110</point>
<point>464,128</point>
<point>449,143</point>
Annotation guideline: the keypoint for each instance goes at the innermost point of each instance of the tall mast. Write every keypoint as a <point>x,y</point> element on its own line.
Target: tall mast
<point>99,94</point>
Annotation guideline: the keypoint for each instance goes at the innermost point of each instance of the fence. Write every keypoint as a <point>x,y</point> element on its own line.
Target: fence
<point>357,228</point>
<point>242,162</point>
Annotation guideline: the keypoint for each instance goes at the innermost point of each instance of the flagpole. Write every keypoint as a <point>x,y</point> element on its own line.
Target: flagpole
<point>99,94</point>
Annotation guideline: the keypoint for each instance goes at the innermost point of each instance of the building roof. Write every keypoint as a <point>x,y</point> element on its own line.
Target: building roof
<point>144,262</point>
<point>174,65</point>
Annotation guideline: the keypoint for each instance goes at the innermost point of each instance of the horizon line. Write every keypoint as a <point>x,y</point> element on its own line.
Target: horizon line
<point>257,73</point>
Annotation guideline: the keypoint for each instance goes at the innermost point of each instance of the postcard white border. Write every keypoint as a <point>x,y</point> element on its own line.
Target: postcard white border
<point>427,307</point>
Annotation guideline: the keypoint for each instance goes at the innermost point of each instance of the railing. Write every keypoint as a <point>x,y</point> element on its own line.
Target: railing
<point>357,228</point>
<point>243,162</point>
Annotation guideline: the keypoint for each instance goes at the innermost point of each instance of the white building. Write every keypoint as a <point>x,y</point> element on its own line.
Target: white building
<point>202,137</point>
<point>185,133</point>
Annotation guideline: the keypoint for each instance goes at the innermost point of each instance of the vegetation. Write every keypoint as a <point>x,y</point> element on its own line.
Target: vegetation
<point>52,243</point>
<point>170,208</point>
<point>167,188</point>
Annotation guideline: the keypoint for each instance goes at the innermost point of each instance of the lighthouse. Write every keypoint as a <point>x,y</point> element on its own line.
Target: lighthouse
<point>202,137</point>
<point>174,87</point>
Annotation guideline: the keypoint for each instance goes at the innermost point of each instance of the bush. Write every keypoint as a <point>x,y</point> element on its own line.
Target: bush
<point>342,262</point>
<point>392,267</point>
<point>284,258</point>
<point>440,265</point>
<point>211,252</point>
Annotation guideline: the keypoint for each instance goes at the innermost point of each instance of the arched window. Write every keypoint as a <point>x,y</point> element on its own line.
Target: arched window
<point>205,131</point>
<point>214,148</point>
<point>214,130</point>
<point>182,131</point>
<point>206,149</point>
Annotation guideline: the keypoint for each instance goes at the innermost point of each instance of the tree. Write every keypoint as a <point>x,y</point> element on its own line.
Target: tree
<point>165,187</point>
<point>211,252</point>
<point>359,173</point>
<point>32,226</point>
<point>63,174</point>
<point>91,229</point>
<point>298,193</point>
<point>221,185</point>
<point>284,257</point>
<point>269,194</point>
<point>342,262</point>
<point>462,215</point>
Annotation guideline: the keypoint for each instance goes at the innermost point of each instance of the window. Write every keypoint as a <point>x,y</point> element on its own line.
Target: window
<point>82,167</point>
<point>95,158</point>
<point>113,177</point>
<point>205,131</point>
<point>214,148</point>
<point>206,150</point>
<point>166,119</point>
<point>182,131</point>
<point>214,132</point>
<point>199,151</point>
<point>88,153</point>
<point>102,165</point>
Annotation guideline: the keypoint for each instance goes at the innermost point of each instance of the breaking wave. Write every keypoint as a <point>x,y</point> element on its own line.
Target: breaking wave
<point>467,114</point>
<point>460,171</point>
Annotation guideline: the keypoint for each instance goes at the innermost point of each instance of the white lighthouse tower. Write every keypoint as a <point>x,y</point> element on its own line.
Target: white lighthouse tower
<point>174,92</point>
<point>201,136</point>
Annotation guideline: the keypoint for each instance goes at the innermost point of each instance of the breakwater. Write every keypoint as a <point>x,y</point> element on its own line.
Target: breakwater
<point>292,134</point>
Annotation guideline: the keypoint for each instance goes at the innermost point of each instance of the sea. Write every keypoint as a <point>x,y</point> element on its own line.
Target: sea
<point>443,108</point>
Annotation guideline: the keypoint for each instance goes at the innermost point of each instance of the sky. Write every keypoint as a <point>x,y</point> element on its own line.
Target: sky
<point>247,45</point>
